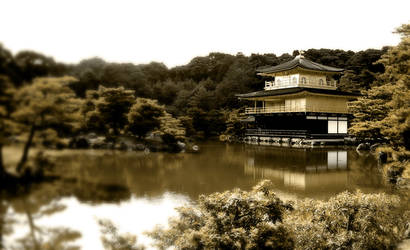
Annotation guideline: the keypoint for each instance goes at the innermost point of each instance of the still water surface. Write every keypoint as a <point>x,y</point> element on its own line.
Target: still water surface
<point>138,191</point>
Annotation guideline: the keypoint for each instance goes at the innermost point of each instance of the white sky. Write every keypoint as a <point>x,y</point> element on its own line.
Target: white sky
<point>174,32</point>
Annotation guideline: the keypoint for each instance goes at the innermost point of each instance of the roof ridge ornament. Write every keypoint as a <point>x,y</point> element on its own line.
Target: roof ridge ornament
<point>301,54</point>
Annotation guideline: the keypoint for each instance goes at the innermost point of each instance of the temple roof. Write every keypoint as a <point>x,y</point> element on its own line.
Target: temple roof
<point>299,61</point>
<point>295,90</point>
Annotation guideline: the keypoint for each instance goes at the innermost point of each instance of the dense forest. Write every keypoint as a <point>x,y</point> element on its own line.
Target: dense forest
<point>200,91</point>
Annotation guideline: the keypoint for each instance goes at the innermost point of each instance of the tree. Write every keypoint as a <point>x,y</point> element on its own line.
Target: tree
<point>108,108</point>
<point>234,126</point>
<point>126,75</point>
<point>384,110</point>
<point>8,66</point>
<point>369,111</point>
<point>202,98</point>
<point>206,124</point>
<point>230,220</point>
<point>240,78</point>
<point>46,103</point>
<point>144,116</point>
<point>33,64</point>
<point>171,126</point>
<point>362,68</point>
<point>89,73</point>
<point>165,92</point>
<point>155,72</point>
<point>6,105</point>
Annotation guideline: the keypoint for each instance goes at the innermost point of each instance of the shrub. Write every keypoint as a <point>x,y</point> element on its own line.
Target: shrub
<point>347,221</point>
<point>230,220</point>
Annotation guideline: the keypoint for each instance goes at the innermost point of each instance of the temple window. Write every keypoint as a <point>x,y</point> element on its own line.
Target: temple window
<point>294,80</point>
<point>321,82</point>
<point>303,80</point>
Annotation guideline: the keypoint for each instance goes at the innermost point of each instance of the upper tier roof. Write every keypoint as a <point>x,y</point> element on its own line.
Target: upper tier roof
<point>295,90</point>
<point>299,61</point>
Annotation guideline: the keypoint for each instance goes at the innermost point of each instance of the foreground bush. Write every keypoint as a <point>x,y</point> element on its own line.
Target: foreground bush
<point>347,221</point>
<point>260,220</point>
<point>230,220</point>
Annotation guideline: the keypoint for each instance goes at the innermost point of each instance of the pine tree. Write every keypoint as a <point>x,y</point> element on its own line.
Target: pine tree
<point>46,103</point>
<point>384,110</point>
<point>107,108</point>
<point>144,116</point>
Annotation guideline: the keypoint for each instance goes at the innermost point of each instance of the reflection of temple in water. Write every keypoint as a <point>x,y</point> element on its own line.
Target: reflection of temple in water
<point>301,169</point>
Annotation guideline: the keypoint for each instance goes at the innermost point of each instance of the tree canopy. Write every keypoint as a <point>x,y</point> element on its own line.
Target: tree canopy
<point>384,110</point>
<point>108,108</point>
<point>144,116</point>
<point>47,103</point>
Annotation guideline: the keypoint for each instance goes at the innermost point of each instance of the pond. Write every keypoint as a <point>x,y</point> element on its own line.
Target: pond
<point>137,191</point>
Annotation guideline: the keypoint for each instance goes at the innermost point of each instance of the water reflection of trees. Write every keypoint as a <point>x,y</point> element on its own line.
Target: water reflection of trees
<point>113,176</point>
<point>154,174</point>
<point>366,174</point>
<point>21,211</point>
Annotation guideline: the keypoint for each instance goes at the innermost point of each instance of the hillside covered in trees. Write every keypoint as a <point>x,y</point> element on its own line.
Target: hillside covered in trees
<point>199,91</point>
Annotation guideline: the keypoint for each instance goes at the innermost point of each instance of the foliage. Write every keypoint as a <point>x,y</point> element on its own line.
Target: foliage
<point>8,66</point>
<point>32,64</point>
<point>112,240</point>
<point>144,116</point>
<point>234,126</point>
<point>369,111</point>
<point>6,106</point>
<point>27,65</point>
<point>230,220</point>
<point>46,103</point>
<point>6,96</point>
<point>362,70</point>
<point>347,221</point>
<point>259,220</point>
<point>206,124</point>
<point>89,74</point>
<point>171,126</point>
<point>384,110</point>
<point>107,108</point>
<point>186,122</point>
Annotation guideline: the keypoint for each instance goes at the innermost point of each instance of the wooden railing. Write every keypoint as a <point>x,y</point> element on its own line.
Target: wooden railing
<point>286,109</point>
<point>286,83</point>
<point>276,132</point>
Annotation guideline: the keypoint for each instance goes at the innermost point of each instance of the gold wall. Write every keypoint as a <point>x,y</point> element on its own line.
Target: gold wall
<point>317,103</point>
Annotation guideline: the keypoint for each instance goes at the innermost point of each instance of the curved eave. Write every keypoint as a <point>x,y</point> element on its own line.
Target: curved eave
<point>296,91</point>
<point>301,63</point>
<point>296,68</point>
